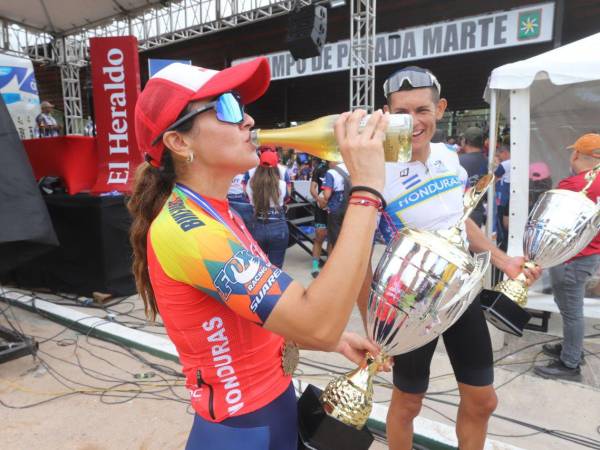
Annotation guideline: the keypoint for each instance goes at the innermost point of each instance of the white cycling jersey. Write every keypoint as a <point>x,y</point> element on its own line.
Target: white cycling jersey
<point>424,196</point>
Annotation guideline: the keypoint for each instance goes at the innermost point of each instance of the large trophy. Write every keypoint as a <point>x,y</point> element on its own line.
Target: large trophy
<point>560,225</point>
<point>423,283</point>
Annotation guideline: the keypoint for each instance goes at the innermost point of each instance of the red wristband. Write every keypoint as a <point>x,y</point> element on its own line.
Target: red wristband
<point>365,201</point>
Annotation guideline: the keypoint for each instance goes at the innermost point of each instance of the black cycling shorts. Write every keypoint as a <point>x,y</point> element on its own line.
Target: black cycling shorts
<point>320,217</point>
<point>469,348</point>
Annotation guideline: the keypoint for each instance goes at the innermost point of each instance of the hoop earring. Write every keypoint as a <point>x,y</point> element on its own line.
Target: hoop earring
<point>190,157</point>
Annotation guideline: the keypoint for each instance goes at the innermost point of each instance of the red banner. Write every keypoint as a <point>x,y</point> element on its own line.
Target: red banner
<point>116,86</point>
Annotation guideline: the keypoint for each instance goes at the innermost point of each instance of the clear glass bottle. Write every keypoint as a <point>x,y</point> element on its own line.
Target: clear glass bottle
<point>317,138</point>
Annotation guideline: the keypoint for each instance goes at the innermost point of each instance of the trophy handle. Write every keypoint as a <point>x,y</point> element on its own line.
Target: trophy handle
<point>596,219</point>
<point>474,195</point>
<point>590,177</point>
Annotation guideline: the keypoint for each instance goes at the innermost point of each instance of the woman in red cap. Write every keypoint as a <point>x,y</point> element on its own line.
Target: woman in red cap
<point>267,192</point>
<point>231,314</point>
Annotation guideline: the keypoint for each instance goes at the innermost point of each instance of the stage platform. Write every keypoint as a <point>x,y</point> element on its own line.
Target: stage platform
<point>551,405</point>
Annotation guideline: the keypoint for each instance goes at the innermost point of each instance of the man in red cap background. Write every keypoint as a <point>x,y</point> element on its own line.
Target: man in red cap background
<point>569,278</point>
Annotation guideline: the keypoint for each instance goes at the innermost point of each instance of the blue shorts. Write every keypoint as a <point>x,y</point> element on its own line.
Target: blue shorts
<point>273,427</point>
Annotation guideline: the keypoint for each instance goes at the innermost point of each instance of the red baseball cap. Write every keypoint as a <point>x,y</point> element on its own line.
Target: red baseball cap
<point>267,148</point>
<point>169,91</point>
<point>269,159</point>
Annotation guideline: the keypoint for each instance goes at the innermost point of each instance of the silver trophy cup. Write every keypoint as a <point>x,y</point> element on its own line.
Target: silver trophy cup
<point>560,225</point>
<point>423,283</point>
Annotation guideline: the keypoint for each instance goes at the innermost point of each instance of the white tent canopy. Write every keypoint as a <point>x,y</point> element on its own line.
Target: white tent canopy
<point>577,62</point>
<point>551,100</point>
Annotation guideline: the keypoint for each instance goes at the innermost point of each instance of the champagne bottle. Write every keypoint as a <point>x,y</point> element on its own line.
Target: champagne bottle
<point>317,138</point>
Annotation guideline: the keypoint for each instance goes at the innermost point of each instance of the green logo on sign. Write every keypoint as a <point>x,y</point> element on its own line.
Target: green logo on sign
<point>530,23</point>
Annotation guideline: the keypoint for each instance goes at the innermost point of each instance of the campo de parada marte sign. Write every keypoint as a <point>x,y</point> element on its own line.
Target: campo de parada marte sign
<point>520,26</point>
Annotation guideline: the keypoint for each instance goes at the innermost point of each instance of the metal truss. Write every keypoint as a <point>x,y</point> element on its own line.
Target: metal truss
<point>187,19</point>
<point>362,54</point>
<point>175,21</point>
<point>71,88</point>
<point>26,42</point>
<point>71,58</point>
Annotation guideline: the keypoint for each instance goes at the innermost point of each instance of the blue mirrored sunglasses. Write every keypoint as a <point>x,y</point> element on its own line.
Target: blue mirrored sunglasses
<point>228,106</point>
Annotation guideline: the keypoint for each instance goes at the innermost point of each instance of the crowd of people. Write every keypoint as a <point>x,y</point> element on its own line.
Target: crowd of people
<point>215,276</point>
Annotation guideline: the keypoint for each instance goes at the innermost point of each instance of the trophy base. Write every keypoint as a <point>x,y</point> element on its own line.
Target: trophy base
<point>503,313</point>
<point>318,431</point>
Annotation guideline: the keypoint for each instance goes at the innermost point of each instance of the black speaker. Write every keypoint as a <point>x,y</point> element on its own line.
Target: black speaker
<point>94,253</point>
<point>307,31</point>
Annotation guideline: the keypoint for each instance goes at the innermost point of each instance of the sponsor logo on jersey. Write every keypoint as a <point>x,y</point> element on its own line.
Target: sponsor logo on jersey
<point>431,188</point>
<point>245,273</point>
<point>182,216</point>
<point>240,269</point>
<point>404,172</point>
<point>439,167</point>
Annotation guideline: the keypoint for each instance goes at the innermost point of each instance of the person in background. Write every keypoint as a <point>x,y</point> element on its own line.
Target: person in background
<point>238,199</point>
<point>316,189</point>
<point>90,127</point>
<point>305,171</point>
<point>46,124</point>
<point>540,181</point>
<point>232,315</point>
<point>502,174</point>
<point>335,187</point>
<point>476,165</point>
<point>451,143</point>
<point>569,279</point>
<point>267,192</point>
<point>292,168</point>
<point>283,172</point>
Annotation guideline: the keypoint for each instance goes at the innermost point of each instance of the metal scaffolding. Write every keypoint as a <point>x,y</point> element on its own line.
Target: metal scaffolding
<point>362,54</point>
<point>170,22</point>
<point>188,19</point>
<point>153,26</point>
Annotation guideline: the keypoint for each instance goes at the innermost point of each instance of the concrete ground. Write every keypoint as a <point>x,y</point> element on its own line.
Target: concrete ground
<point>85,394</point>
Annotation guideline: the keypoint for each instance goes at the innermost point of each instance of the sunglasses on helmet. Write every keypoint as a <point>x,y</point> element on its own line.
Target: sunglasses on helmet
<point>228,106</point>
<point>415,77</point>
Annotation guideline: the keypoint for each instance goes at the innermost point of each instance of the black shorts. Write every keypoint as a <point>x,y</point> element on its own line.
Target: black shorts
<point>469,348</point>
<point>334,225</point>
<point>320,217</point>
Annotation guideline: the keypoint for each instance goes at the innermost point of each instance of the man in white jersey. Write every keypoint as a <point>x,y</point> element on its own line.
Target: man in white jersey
<point>427,193</point>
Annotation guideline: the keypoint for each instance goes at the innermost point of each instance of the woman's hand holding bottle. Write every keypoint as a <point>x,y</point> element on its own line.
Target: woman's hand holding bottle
<point>362,151</point>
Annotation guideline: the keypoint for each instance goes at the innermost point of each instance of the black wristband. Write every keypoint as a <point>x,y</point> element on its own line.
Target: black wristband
<point>370,190</point>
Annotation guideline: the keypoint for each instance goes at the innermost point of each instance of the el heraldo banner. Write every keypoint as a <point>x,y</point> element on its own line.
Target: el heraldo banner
<point>116,86</point>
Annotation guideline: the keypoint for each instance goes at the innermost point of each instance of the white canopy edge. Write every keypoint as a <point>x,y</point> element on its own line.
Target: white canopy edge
<point>561,65</point>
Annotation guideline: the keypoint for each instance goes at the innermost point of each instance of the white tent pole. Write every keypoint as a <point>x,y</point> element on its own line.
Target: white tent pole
<point>519,169</point>
<point>493,138</point>
<point>491,200</point>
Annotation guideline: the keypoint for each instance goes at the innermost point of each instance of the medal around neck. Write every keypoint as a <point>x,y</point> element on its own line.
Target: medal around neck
<point>423,283</point>
<point>560,225</point>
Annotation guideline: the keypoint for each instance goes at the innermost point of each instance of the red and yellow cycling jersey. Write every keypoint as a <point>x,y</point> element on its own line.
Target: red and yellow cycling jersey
<point>214,295</point>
